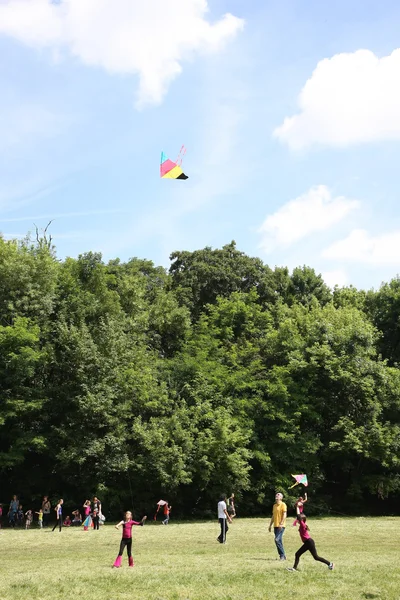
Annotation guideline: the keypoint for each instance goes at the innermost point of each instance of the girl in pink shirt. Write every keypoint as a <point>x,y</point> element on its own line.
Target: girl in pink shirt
<point>308,544</point>
<point>127,525</point>
<point>88,520</point>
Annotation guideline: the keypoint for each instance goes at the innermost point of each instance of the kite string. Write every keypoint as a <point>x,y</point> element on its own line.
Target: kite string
<point>130,487</point>
<point>181,154</point>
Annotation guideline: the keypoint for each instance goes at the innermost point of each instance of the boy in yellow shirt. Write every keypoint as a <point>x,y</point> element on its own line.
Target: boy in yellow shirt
<point>279,512</point>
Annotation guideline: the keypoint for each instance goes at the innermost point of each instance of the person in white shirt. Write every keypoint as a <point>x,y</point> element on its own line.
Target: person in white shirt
<point>223,516</point>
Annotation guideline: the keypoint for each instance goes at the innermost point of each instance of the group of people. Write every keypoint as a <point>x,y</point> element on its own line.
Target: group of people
<point>16,515</point>
<point>226,512</point>
<point>278,521</point>
<point>93,515</point>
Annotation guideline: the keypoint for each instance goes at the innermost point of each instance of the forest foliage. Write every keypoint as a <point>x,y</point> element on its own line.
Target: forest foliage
<point>220,374</point>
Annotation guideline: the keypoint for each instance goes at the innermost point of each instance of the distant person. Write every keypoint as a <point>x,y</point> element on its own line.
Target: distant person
<point>223,517</point>
<point>40,518</point>
<point>96,513</point>
<point>86,511</point>
<point>231,506</point>
<point>28,519</point>
<point>167,510</point>
<point>13,511</point>
<point>58,511</point>
<point>278,520</point>
<point>20,516</point>
<point>46,508</point>
<point>77,520</point>
<point>308,546</point>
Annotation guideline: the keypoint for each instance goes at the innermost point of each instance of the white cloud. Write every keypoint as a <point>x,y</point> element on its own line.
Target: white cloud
<point>335,277</point>
<point>350,98</point>
<point>360,246</point>
<point>149,39</point>
<point>314,211</point>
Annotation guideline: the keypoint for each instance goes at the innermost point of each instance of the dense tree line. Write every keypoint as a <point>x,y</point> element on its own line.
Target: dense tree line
<point>221,374</point>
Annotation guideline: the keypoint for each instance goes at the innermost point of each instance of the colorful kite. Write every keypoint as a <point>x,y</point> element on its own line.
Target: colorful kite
<point>300,479</point>
<point>88,521</point>
<point>172,170</point>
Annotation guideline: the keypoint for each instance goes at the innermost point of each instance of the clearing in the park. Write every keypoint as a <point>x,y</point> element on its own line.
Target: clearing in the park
<point>184,561</point>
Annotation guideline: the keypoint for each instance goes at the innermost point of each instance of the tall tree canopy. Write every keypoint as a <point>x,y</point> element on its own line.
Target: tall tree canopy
<point>221,374</point>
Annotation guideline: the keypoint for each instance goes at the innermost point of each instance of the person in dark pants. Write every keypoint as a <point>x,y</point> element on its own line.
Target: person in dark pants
<point>223,516</point>
<point>308,545</point>
<point>126,541</point>
<point>95,518</point>
<point>58,510</point>
<point>96,513</point>
<point>13,511</point>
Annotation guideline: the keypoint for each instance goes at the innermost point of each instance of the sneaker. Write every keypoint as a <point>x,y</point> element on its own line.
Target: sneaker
<point>331,566</point>
<point>282,558</point>
<point>292,569</point>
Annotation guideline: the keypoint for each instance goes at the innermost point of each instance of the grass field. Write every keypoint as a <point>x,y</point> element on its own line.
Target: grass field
<point>183,561</point>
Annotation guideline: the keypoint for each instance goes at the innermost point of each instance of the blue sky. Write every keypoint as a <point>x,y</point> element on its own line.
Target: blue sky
<point>91,92</point>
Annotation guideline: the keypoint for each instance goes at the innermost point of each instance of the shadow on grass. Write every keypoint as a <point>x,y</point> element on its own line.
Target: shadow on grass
<point>275,560</point>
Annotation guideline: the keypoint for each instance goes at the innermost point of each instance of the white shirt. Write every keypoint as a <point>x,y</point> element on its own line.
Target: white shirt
<point>221,509</point>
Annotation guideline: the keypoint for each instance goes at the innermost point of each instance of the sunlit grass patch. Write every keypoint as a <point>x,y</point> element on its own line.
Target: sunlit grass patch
<point>183,561</point>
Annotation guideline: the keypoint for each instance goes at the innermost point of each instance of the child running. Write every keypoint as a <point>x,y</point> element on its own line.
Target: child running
<point>308,544</point>
<point>127,525</point>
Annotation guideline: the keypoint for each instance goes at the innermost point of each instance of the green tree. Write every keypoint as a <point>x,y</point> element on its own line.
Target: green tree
<point>21,392</point>
<point>384,308</point>
<point>307,286</point>
<point>200,277</point>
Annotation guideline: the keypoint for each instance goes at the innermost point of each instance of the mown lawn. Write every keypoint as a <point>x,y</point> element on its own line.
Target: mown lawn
<point>183,561</point>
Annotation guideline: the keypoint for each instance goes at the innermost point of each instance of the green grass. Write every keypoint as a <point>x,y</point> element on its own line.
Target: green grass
<point>183,561</point>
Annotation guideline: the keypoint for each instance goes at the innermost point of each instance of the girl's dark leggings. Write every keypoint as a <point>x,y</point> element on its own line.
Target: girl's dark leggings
<point>310,546</point>
<point>128,543</point>
<point>96,521</point>
<point>59,523</point>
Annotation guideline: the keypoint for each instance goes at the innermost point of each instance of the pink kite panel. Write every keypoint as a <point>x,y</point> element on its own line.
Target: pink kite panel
<point>166,166</point>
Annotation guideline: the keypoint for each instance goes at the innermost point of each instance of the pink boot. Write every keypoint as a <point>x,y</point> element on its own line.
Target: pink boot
<point>131,563</point>
<point>85,528</point>
<point>118,561</point>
